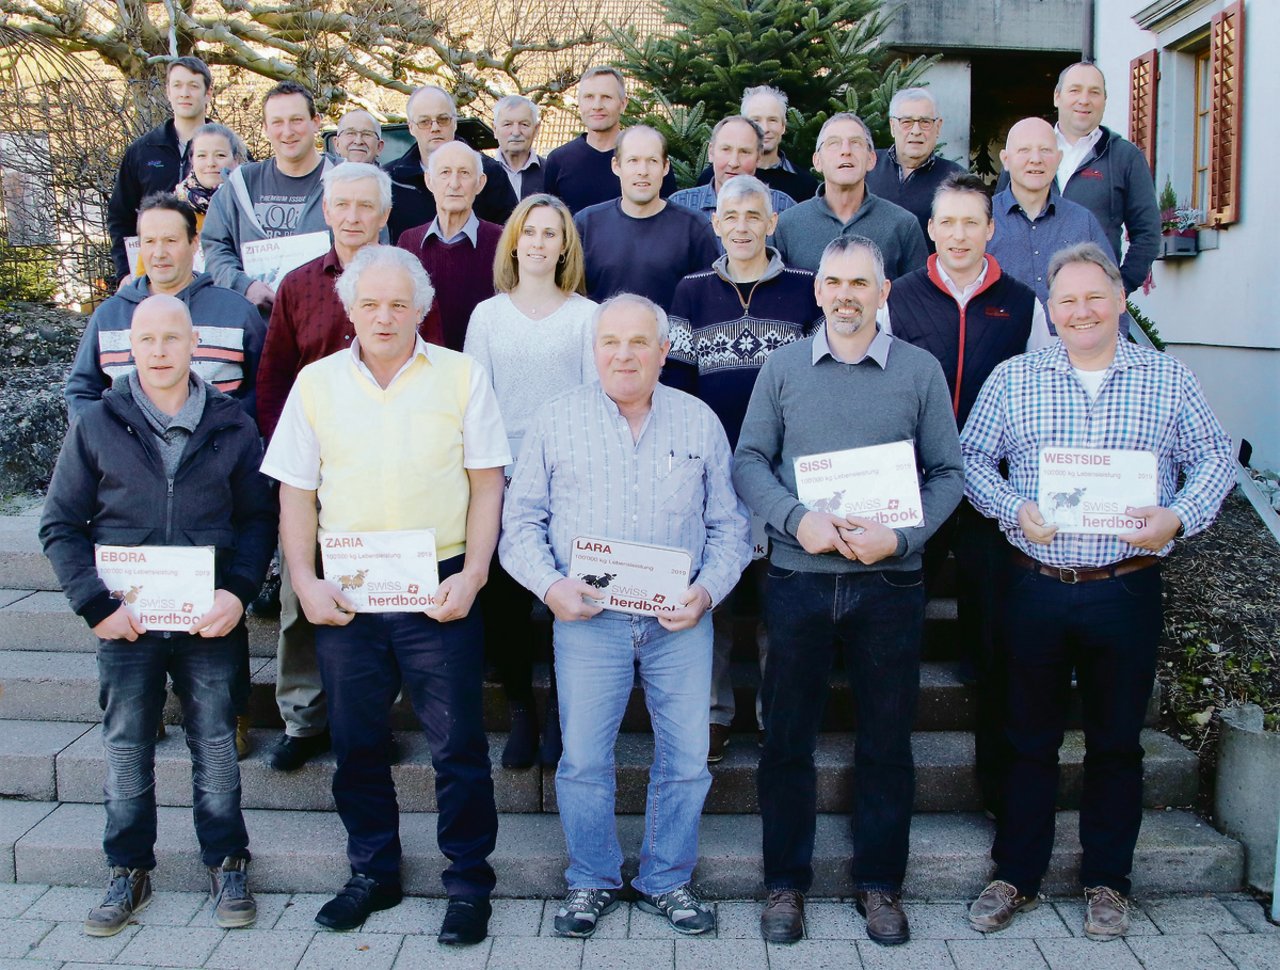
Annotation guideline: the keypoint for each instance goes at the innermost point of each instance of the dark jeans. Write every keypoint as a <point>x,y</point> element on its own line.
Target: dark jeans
<point>440,666</point>
<point>1108,632</point>
<point>507,609</point>
<point>982,567</point>
<point>206,675</point>
<point>876,619</point>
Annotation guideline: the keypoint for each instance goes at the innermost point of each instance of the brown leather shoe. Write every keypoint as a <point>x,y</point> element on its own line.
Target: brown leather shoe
<point>997,905</point>
<point>1106,913</point>
<point>886,922</point>
<point>782,920</point>
<point>719,741</point>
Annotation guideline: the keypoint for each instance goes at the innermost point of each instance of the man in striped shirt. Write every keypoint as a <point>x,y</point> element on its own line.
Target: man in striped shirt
<point>626,459</point>
<point>230,329</point>
<point>1088,602</point>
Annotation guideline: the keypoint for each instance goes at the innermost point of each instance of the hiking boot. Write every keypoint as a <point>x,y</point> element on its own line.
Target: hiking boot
<point>997,905</point>
<point>718,741</point>
<point>683,910</point>
<point>1106,913</point>
<point>128,892</point>
<point>782,920</point>
<point>886,922</point>
<point>233,904</point>
<point>582,909</point>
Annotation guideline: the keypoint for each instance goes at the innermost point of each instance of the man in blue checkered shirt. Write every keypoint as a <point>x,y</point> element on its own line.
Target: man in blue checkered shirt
<point>1087,602</point>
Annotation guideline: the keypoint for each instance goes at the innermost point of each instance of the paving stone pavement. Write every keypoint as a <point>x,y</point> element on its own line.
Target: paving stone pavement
<point>40,929</point>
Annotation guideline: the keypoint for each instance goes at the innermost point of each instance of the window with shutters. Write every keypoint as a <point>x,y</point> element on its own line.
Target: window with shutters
<point>1203,134</point>
<point>1226,91</point>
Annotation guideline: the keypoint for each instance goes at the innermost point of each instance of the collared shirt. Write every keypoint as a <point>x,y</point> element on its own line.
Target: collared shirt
<point>1074,155</point>
<point>581,473</point>
<point>469,229</point>
<point>1148,401</point>
<point>516,175</point>
<point>784,163</point>
<point>702,198</point>
<point>1024,243</point>
<point>904,174</point>
<point>877,350</point>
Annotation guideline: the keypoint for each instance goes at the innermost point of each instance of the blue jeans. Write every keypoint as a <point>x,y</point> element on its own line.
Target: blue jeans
<point>1108,631</point>
<point>877,620</point>
<point>596,661</point>
<point>207,679</point>
<point>441,667</point>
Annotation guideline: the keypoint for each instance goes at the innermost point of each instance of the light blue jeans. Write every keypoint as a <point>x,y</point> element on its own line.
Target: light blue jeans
<point>596,661</point>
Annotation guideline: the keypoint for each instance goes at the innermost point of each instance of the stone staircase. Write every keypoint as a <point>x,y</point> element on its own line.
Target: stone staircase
<point>51,774</point>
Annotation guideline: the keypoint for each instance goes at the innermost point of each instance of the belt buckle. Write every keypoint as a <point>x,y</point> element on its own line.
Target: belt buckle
<point>1068,575</point>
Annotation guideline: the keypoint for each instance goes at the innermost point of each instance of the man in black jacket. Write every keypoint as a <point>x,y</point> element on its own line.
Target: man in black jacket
<point>157,161</point>
<point>164,460</point>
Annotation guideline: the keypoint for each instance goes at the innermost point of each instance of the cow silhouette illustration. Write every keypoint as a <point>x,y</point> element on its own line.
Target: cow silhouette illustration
<point>1064,507</point>
<point>599,582</point>
<point>129,597</point>
<point>831,505</point>
<point>353,582</point>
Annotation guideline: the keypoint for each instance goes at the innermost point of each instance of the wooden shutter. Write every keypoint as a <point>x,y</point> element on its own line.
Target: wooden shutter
<point>1226,70</point>
<point>1144,75</point>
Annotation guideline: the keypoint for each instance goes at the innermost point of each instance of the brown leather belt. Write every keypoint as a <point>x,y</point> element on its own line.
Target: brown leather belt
<point>1072,575</point>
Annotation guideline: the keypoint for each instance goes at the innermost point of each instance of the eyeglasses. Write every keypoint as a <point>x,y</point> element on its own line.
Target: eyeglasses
<point>439,121</point>
<point>358,134</point>
<point>924,124</point>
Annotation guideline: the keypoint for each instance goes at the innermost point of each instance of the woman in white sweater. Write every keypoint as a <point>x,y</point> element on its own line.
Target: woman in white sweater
<point>534,338</point>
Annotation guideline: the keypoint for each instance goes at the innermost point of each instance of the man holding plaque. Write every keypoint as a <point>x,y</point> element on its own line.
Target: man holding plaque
<point>845,422</point>
<point>622,518</point>
<point>1116,426</point>
<point>400,508</point>
<point>163,463</point>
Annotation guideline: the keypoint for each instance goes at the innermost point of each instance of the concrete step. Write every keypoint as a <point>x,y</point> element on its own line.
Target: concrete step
<point>22,563</point>
<point>63,686</point>
<point>41,620</point>
<point>305,852</point>
<point>28,750</point>
<point>945,781</point>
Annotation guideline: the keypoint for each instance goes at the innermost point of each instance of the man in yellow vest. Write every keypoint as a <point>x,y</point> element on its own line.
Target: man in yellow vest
<point>410,439</point>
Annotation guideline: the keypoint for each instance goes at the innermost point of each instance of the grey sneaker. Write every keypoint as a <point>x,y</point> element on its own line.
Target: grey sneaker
<point>1106,913</point>
<point>582,909</point>
<point>128,892</point>
<point>997,905</point>
<point>684,911</point>
<point>233,904</point>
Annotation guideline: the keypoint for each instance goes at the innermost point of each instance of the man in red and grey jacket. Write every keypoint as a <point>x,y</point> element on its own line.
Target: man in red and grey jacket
<point>971,316</point>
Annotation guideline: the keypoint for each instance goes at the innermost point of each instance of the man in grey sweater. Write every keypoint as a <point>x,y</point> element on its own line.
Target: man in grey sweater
<point>844,206</point>
<point>837,578</point>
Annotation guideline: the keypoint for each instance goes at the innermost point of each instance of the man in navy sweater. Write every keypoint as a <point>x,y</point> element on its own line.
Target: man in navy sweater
<point>641,243</point>
<point>968,313</point>
<point>581,171</point>
<point>725,321</point>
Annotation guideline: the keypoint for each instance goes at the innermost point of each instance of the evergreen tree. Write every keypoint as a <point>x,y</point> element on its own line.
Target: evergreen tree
<point>825,54</point>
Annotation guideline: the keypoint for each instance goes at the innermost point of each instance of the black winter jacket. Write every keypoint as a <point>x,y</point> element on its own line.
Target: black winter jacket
<point>109,487</point>
<point>151,163</point>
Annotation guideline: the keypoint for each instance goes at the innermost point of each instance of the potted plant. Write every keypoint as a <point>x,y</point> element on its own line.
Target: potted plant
<point>1179,225</point>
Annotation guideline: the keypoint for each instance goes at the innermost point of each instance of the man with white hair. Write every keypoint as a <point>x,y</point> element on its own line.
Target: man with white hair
<point>456,246</point>
<point>910,170</point>
<point>767,107</point>
<point>433,122</point>
<point>516,122</point>
<point>657,465</point>
<point>309,322</point>
<point>750,301</point>
<point>350,414</point>
<point>359,137</point>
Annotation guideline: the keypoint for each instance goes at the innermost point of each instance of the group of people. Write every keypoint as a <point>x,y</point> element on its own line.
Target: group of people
<point>564,348</point>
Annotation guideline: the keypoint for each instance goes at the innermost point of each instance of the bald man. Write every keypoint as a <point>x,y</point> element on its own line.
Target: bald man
<point>162,460</point>
<point>1032,219</point>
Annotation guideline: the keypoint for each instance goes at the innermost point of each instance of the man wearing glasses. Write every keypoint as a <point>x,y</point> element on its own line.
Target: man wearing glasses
<point>359,137</point>
<point>910,170</point>
<point>433,121</point>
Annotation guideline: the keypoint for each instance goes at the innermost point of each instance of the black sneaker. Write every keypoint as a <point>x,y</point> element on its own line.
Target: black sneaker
<point>128,892</point>
<point>358,898</point>
<point>582,909</point>
<point>267,603</point>
<point>233,904</point>
<point>290,753</point>
<point>466,921</point>
<point>684,911</point>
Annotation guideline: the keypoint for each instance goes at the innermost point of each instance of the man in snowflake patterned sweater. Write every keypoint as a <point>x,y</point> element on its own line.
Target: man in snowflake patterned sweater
<point>724,322</point>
